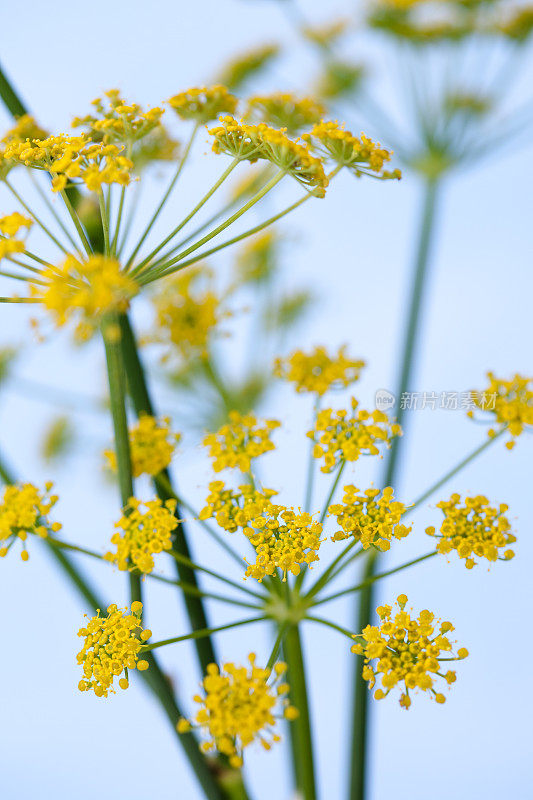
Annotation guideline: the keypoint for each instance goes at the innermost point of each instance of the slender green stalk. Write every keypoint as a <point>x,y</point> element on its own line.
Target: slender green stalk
<point>167,194</point>
<point>167,269</point>
<point>358,756</point>
<point>10,97</point>
<point>192,565</point>
<point>328,573</point>
<point>333,625</point>
<point>50,206</point>
<point>77,222</point>
<point>300,729</point>
<point>187,219</point>
<point>161,269</point>
<point>331,494</point>
<point>34,216</point>
<point>104,214</point>
<point>277,645</point>
<point>201,634</point>
<point>371,579</point>
<point>142,402</point>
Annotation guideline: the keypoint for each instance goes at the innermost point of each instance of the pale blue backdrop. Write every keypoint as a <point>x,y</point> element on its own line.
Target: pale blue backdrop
<point>354,248</point>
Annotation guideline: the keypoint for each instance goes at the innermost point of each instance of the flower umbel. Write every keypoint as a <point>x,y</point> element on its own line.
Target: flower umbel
<point>152,446</point>
<point>474,529</point>
<point>143,531</point>
<point>317,371</point>
<point>87,289</point>
<point>203,104</point>
<point>405,651</point>
<point>115,120</point>
<point>368,518</point>
<point>284,110</point>
<point>510,401</point>
<point>238,706</point>
<point>111,646</point>
<point>24,509</point>
<point>361,155</point>
<point>236,509</point>
<point>283,540</point>
<point>340,436</point>
<point>241,440</point>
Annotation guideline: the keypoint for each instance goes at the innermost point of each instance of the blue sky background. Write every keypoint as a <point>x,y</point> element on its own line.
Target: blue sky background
<point>354,250</point>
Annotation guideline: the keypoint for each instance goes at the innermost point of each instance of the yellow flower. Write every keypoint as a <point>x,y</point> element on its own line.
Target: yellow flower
<point>90,289</point>
<point>152,446</point>
<point>369,520</point>
<point>24,510</point>
<point>24,128</point>
<point>235,509</point>
<point>111,646</point>
<point>203,104</point>
<point>407,651</point>
<point>361,155</point>
<point>12,223</point>
<point>283,540</point>
<point>68,158</point>
<point>284,110</point>
<point>474,529</point>
<point>510,401</point>
<point>187,313</point>
<point>253,142</point>
<point>317,371</point>
<point>116,120</point>
<point>143,531</point>
<point>10,226</point>
<point>340,436</point>
<point>238,706</point>
<point>239,441</point>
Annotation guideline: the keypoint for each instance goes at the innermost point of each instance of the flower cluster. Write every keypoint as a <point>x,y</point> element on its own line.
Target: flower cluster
<point>239,441</point>
<point>317,371</point>
<point>111,646</point>
<point>368,518</point>
<point>510,401</point>
<point>24,509</point>
<point>24,128</point>
<point>10,226</point>
<point>143,531</point>
<point>69,157</point>
<point>283,540</point>
<point>406,650</point>
<point>186,314</point>
<point>254,142</point>
<point>473,529</point>
<point>203,104</point>
<point>238,706</point>
<point>284,110</point>
<point>341,436</point>
<point>152,446</point>
<point>118,121</point>
<point>362,156</point>
<point>236,509</point>
<point>256,261</point>
<point>90,289</point>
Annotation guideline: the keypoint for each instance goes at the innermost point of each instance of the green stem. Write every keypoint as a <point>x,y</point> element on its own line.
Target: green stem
<point>300,729</point>
<point>324,578</point>
<point>277,646</point>
<point>36,219</point>
<point>372,578</point>
<point>327,504</point>
<point>358,756</point>
<point>104,214</point>
<point>11,99</point>
<point>164,199</point>
<point>138,391</point>
<point>187,219</point>
<point>167,270</point>
<point>201,634</point>
<point>333,625</point>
